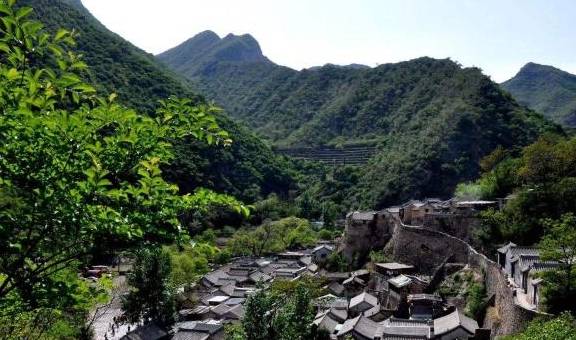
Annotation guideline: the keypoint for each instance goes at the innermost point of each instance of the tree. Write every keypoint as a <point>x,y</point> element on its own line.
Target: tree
<point>78,169</point>
<point>285,311</point>
<point>151,298</point>
<point>559,244</point>
<point>561,327</point>
<point>258,317</point>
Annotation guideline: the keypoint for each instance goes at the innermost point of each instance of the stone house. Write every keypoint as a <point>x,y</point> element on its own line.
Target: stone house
<point>362,302</point>
<point>321,253</point>
<point>455,325</point>
<point>360,328</point>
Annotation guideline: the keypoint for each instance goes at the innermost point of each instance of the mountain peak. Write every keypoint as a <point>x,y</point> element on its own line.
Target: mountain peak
<point>546,89</point>
<point>207,49</point>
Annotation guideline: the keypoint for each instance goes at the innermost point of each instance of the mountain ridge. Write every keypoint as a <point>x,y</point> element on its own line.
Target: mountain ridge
<point>546,89</point>
<point>431,119</point>
<point>248,169</point>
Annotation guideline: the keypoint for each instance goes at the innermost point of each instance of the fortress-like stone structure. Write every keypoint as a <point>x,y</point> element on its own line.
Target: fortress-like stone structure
<point>428,247</point>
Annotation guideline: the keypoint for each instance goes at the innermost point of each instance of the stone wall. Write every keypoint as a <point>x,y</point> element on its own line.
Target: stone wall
<point>360,239</point>
<point>427,249</point>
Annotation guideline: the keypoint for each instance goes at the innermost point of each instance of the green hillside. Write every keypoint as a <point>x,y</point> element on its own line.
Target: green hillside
<point>431,119</point>
<point>546,89</point>
<point>248,169</point>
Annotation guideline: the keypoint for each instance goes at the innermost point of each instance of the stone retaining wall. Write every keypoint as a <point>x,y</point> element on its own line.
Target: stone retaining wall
<point>427,249</point>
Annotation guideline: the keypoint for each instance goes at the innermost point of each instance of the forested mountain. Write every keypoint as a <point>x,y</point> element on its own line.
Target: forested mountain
<point>248,169</point>
<point>431,119</point>
<point>546,89</point>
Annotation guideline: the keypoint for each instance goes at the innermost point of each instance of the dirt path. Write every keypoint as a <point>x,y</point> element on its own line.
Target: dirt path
<point>103,316</point>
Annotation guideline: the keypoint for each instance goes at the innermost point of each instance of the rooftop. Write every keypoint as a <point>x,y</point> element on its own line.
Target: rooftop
<point>454,320</point>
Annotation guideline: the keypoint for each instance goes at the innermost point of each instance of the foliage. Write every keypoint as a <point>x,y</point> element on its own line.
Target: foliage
<point>539,182</point>
<point>560,327</point>
<point>70,300</point>
<point>151,296</point>
<point>190,262</point>
<point>248,169</point>
<point>283,312</point>
<point>559,244</point>
<point>475,299</point>
<point>431,120</point>
<point>273,237</point>
<point>337,262</point>
<point>78,171</point>
<point>378,256</point>
<point>546,89</point>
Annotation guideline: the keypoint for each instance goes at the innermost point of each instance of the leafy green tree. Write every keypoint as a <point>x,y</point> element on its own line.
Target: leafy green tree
<point>78,169</point>
<point>258,318</point>
<point>560,327</point>
<point>151,296</point>
<point>284,311</point>
<point>559,244</point>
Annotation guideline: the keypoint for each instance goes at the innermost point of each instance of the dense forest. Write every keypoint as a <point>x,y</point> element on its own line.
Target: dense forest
<point>432,120</point>
<point>247,169</point>
<point>546,89</point>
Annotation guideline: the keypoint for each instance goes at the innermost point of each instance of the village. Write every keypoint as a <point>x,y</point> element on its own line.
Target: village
<point>380,300</point>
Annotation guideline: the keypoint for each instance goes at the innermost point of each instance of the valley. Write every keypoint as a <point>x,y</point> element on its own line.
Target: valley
<point>209,193</point>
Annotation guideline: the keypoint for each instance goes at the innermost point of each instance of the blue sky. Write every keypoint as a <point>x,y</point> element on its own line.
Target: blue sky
<point>497,36</point>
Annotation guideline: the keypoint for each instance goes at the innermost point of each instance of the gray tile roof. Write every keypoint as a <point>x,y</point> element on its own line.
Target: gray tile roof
<point>405,329</point>
<point>361,325</point>
<point>363,216</point>
<point>363,297</point>
<point>326,322</point>
<point>190,335</point>
<point>394,266</point>
<point>452,321</point>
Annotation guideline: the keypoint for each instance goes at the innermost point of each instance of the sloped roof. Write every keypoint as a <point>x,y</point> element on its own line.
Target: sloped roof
<point>505,248</point>
<point>323,246</point>
<point>221,309</point>
<point>424,297</point>
<point>147,332</point>
<point>190,335</point>
<point>338,314</point>
<point>363,297</point>
<point>236,312</point>
<point>394,328</point>
<point>452,321</point>
<point>515,251</point>
<point>543,266</point>
<point>363,215</point>
<point>400,281</point>
<point>362,325</point>
<point>336,288</point>
<point>206,326</point>
<point>394,266</point>
<point>326,322</point>
<point>228,289</point>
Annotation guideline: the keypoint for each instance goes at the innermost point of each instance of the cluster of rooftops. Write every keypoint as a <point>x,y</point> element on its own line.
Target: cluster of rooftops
<point>414,211</point>
<point>391,304</point>
<point>385,302</point>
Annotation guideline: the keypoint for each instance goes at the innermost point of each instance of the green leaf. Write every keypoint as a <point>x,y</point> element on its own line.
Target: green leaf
<point>23,12</point>
<point>12,74</point>
<point>61,34</point>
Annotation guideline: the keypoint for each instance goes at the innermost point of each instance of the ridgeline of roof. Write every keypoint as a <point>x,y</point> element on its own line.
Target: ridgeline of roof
<point>394,328</point>
<point>362,215</point>
<point>505,248</point>
<point>424,297</point>
<point>361,325</point>
<point>452,321</point>
<point>400,281</point>
<point>394,266</point>
<point>363,297</point>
